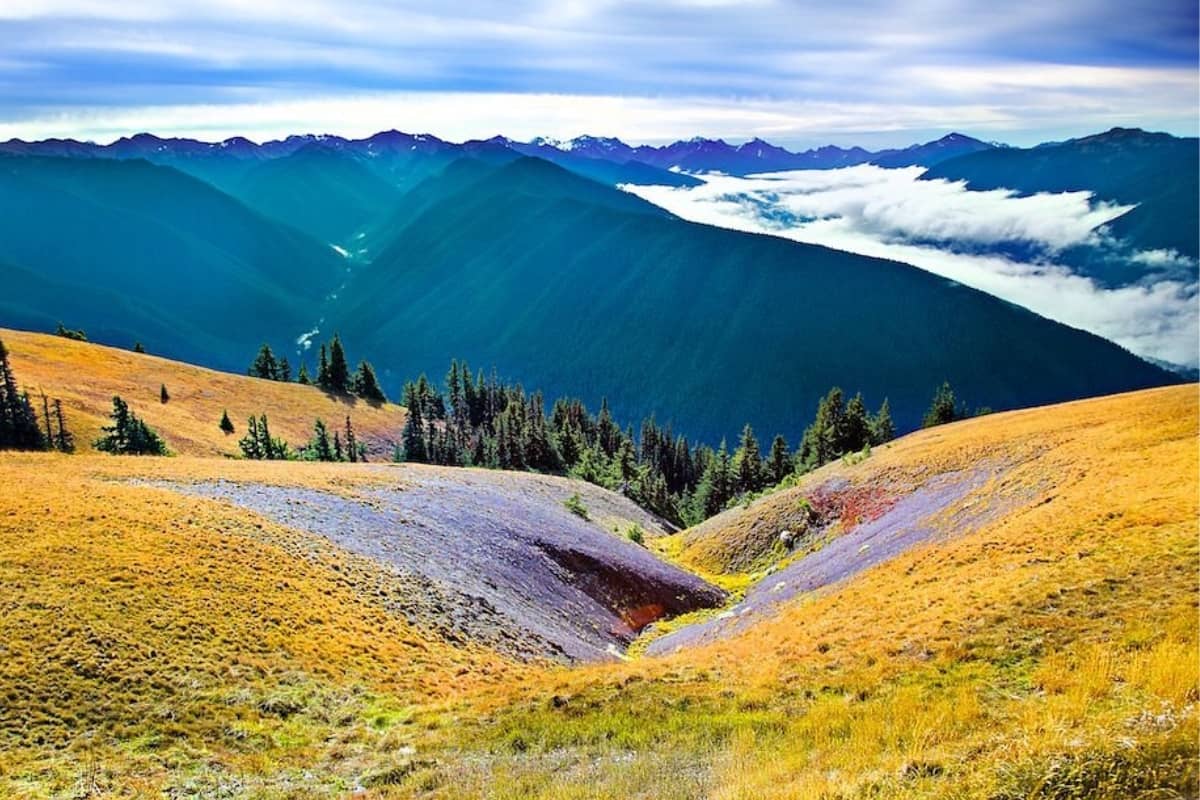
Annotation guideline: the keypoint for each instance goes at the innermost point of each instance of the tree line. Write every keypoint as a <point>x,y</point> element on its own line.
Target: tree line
<point>481,421</point>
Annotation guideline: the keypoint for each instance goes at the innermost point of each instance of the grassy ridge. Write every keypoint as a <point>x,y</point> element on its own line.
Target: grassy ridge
<point>86,376</point>
<point>152,641</point>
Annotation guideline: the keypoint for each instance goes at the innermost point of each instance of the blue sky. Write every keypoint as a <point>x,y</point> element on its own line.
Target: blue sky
<point>798,73</point>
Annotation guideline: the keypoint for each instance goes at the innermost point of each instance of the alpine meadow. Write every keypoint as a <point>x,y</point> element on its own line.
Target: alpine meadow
<point>677,401</point>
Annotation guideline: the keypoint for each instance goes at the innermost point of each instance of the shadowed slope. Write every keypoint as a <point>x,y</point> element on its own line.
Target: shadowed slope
<point>579,289</point>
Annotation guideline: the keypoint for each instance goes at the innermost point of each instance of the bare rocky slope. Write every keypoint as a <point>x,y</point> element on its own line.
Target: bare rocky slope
<point>513,567</point>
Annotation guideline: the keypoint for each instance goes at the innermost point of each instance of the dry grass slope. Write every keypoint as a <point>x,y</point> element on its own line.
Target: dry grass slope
<point>86,376</point>
<point>152,643</point>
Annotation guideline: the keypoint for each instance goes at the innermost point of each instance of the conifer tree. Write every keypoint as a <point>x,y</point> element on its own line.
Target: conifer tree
<point>273,449</point>
<point>882,427</point>
<point>19,428</point>
<point>163,397</point>
<point>779,461</point>
<point>365,384</point>
<point>351,442</point>
<point>283,370</point>
<point>323,369</point>
<point>319,447</point>
<point>413,435</point>
<point>716,485</point>
<point>825,437</point>
<point>138,347</point>
<point>943,409</point>
<point>302,377</point>
<point>264,365</point>
<point>64,441</point>
<point>226,423</point>
<point>46,416</point>
<point>856,430</point>
<point>747,460</point>
<point>606,429</point>
<point>251,444</point>
<point>338,454</point>
<point>338,372</point>
<point>129,435</point>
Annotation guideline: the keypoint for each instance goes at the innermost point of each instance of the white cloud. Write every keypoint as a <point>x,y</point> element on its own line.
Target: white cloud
<point>801,73</point>
<point>890,214</point>
<point>1162,258</point>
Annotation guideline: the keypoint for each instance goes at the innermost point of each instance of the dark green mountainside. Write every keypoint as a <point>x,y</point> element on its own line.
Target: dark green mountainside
<point>133,251</point>
<point>562,282</point>
<point>320,191</point>
<point>578,288</point>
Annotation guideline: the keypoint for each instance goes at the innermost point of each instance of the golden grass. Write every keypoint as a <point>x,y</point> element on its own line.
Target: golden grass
<point>159,643</point>
<point>86,376</point>
<point>156,630</point>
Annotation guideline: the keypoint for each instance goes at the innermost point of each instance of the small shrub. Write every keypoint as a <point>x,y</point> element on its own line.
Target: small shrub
<point>575,505</point>
<point>635,534</point>
<point>68,333</point>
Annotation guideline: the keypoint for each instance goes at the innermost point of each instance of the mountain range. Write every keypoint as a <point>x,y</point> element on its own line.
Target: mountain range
<point>602,158</point>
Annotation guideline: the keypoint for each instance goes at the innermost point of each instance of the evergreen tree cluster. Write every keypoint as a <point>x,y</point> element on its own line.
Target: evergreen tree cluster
<point>333,372</point>
<point>68,333</point>
<point>268,367</point>
<point>944,408</point>
<point>129,434</point>
<point>342,446</point>
<point>841,428</point>
<point>20,428</point>
<point>258,443</point>
<point>483,422</point>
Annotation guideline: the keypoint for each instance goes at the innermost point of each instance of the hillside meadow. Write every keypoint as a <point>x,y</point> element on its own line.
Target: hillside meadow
<point>86,376</point>
<point>160,643</point>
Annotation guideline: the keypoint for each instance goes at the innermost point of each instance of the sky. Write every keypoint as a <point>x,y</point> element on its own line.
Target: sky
<point>870,72</point>
<point>996,241</point>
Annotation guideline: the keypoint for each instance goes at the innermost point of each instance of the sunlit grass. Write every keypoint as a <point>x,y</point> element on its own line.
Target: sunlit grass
<point>159,643</point>
<point>86,376</point>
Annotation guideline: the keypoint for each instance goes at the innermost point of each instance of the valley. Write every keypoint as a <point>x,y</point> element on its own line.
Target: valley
<point>529,259</point>
<point>956,614</point>
<point>699,400</point>
<point>948,613</point>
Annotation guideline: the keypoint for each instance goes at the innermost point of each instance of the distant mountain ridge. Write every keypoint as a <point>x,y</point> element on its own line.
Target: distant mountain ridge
<point>581,154</point>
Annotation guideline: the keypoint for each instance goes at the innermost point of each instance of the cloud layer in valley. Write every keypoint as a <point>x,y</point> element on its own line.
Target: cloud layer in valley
<point>969,237</point>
